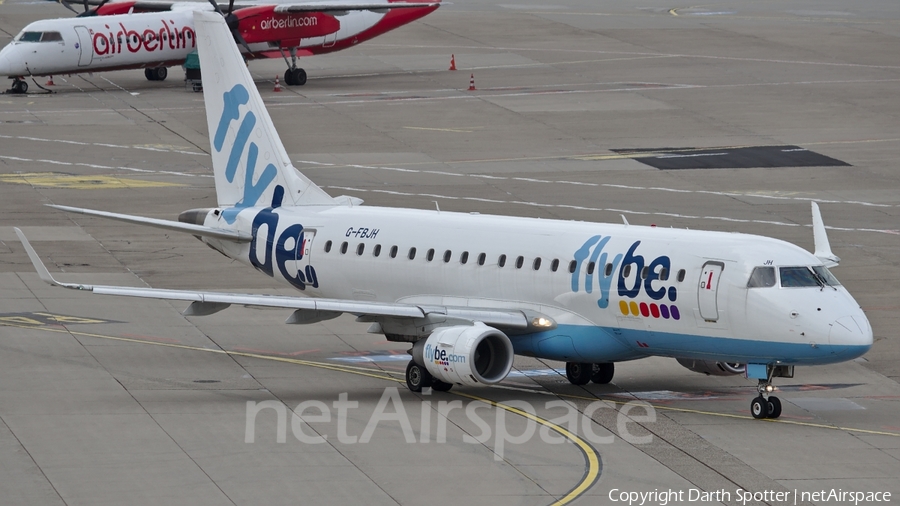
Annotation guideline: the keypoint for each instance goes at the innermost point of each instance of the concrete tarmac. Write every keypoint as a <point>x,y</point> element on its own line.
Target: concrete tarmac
<point>116,401</point>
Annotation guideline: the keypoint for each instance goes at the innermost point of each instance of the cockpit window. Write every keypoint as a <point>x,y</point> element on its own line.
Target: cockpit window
<point>826,275</point>
<point>39,37</point>
<point>792,277</point>
<point>29,37</point>
<point>762,277</point>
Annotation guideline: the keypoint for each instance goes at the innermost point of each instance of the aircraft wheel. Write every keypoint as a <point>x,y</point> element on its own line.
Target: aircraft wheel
<point>161,73</point>
<point>299,76</point>
<point>441,386</point>
<point>774,406</point>
<point>20,86</point>
<point>150,74</point>
<point>417,377</point>
<point>289,77</point>
<point>759,407</point>
<point>602,374</point>
<point>579,373</point>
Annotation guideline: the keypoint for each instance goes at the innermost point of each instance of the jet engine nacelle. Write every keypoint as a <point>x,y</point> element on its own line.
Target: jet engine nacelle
<point>466,354</point>
<point>712,368</point>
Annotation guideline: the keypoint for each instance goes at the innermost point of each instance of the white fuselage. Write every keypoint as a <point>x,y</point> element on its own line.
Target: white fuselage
<point>634,291</point>
<point>122,41</point>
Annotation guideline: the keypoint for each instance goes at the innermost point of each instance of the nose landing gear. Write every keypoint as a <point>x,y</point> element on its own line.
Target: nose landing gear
<point>18,87</point>
<point>765,405</point>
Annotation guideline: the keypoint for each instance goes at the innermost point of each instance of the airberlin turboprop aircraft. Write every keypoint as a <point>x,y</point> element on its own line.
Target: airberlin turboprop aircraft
<point>156,34</point>
<point>470,291</point>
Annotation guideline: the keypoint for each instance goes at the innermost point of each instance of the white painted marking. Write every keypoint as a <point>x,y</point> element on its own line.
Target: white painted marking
<point>77,143</point>
<point>612,210</point>
<point>105,167</point>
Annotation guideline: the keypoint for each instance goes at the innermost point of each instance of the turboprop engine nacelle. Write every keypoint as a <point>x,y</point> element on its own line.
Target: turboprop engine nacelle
<point>466,354</point>
<point>712,368</point>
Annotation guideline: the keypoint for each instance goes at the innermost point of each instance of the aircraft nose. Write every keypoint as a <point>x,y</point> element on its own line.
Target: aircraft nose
<point>5,66</point>
<point>853,330</point>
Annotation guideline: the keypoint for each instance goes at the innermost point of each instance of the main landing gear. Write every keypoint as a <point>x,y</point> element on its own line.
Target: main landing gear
<point>765,405</point>
<point>19,86</point>
<point>417,378</point>
<point>294,75</point>
<point>580,373</point>
<point>156,74</point>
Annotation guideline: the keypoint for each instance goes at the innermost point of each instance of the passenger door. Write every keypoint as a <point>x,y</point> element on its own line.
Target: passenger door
<point>708,289</point>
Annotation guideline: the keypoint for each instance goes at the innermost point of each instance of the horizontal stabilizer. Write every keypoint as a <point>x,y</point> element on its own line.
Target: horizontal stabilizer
<point>175,226</point>
<point>820,239</point>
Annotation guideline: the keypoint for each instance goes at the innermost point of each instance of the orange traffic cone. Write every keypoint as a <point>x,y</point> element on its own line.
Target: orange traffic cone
<point>277,84</point>
<point>50,82</point>
<point>452,62</point>
<point>472,83</point>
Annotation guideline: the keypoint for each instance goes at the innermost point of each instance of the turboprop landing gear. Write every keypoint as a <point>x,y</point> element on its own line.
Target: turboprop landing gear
<point>765,405</point>
<point>19,86</point>
<point>156,74</point>
<point>417,377</point>
<point>294,75</point>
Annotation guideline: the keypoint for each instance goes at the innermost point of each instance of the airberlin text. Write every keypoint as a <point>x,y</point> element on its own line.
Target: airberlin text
<point>433,421</point>
<point>119,39</point>
<point>274,23</point>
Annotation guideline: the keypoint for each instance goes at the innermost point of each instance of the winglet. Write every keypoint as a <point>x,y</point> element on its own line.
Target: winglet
<point>42,269</point>
<point>820,239</point>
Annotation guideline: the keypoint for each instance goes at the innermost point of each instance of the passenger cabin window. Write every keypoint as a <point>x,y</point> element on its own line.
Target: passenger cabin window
<point>520,261</point>
<point>412,253</point>
<point>447,255</point>
<point>429,255</point>
<point>536,265</point>
<point>554,265</point>
<point>663,274</point>
<point>376,250</point>
<point>481,258</point>
<point>608,271</point>
<point>327,246</point>
<point>464,257</point>
<point>393,252</point>
<point>681,275</point>
<point>626,271</point>
<point>795,277</point>
<point>360,249</point>
<point>501,261</point>
<point>645,272</point>
<point>762,277</point>
<point>591,266</point>
<point>343,247</point>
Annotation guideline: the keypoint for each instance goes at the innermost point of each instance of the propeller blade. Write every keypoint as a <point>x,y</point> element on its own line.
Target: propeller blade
<point>230,7</point>
<point>67,5</point>
<point>237,37</point>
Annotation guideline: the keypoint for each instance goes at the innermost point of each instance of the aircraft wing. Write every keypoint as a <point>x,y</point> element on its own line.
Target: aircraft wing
<point>336,8</point>
<point>310,309</point>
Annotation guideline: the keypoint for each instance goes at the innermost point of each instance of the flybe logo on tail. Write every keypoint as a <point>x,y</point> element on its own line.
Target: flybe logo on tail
<point>648,279</point>
<point>233,100</point>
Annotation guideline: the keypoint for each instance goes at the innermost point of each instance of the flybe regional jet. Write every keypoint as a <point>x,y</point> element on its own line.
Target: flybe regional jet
<point>471,291</point>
